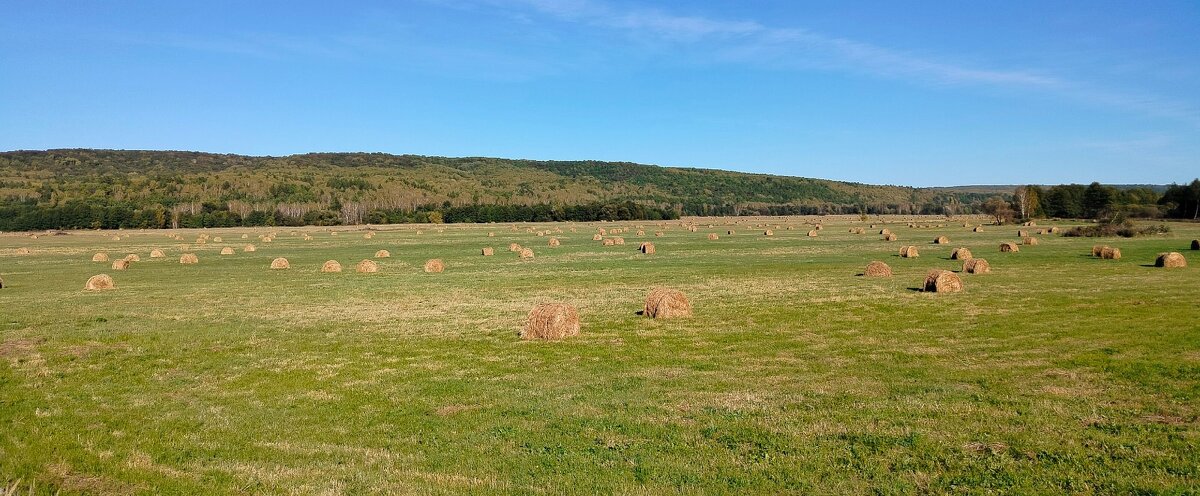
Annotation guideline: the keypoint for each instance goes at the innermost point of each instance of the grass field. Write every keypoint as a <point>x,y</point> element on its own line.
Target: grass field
<point>1058,373</point>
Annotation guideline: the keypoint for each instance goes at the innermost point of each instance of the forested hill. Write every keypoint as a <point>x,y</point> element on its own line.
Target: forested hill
<point>116,188</point>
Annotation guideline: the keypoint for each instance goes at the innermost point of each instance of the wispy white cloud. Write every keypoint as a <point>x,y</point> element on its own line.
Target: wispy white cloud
<point>749,41</point>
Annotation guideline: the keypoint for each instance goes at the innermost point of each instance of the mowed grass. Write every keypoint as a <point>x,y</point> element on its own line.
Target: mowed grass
<point>1057,373</point>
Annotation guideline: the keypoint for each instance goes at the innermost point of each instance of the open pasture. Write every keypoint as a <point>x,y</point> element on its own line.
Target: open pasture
<point>1057,372</point>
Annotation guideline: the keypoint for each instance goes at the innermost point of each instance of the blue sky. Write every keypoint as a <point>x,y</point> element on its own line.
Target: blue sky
<point>936,93</point>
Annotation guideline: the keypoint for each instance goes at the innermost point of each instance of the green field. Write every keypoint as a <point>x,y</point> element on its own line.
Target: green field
<point>1059,373</point>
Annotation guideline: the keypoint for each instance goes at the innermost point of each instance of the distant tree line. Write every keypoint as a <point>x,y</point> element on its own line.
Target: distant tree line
<point>101,214</point>
<point>1096,201</point>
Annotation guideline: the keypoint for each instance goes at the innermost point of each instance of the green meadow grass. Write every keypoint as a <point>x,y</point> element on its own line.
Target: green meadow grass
<point>1058,373</point>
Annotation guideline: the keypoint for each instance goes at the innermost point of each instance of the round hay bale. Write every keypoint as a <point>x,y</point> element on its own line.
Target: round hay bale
<point>978,229</point>
<point>133,257</point>
<point>249,249</point>
<point>245,236</point>
<point>120,265</point>
<point>713,237</point>
<point>553,242</point>
<point>666,303</point>
<point>1053,230</point>
<point>768,232</point>
<point>526,254</point>
<point>961,254</point>
<point>331,266</point>
<point>1022,233</point>
<point>383,254</point>
<point>513,247</point>
<point>941,240</point>
<point>218,239</point>
<point>641,232</point>
<point>1097,250</point>
<point>1196,244</point>
<point>812,233</point>
<point>227,251</point>
<point>100,282</point>
<point>877,269</point>
<point>890,237</point>
<point>1,283</point>
<point>730,232</point>
<point>367,267</point>
<point>609,242</point>
<point>1170,260</point>
<point>189,259</point>
<point>434,265</point>
<point>1031,241</point>
<point>909,252</point>
<point>819,227</point>
<point>100,257</point>
<point>280,263</point>
<point>942,281</point>
<point>977,266</point>
<point>487,252</point>
<point>658,234</point>
<point>646,248</point>
<point>1009,248</point>
<point>617,240</point>
<point>1110,253</point>
<point>157,254</point>
<point>22,251</point>
<point>551,321</point>
<point>885,232</point>
<point>601,231</point>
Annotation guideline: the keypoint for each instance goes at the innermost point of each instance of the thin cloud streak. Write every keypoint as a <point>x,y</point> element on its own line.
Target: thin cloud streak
<point>748,41</point>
